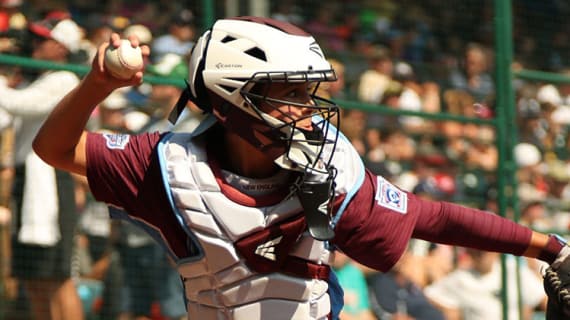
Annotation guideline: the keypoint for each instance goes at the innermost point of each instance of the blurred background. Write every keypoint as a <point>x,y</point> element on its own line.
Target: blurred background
<point>459,100</point>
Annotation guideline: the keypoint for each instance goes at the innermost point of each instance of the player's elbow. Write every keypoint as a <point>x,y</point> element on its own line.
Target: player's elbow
<point>41,147</point>
<point>65,155</point>
<point>47,149</point>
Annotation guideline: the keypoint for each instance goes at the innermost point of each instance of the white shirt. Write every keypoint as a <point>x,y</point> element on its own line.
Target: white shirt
<point>478,296</point>
<point>372,85</point>
<point>29,107</point>
<point>32,104</point>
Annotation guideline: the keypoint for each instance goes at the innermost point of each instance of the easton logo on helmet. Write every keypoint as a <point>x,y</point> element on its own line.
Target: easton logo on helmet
<point>220,65</point>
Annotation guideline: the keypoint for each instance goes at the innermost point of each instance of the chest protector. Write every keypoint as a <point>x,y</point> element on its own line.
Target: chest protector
<point>251,262</point>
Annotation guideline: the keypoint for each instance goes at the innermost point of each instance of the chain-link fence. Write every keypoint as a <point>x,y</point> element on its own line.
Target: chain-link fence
<point>464,101</point>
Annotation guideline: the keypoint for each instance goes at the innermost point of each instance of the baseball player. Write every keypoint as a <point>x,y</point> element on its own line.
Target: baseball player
<point>251,202</point>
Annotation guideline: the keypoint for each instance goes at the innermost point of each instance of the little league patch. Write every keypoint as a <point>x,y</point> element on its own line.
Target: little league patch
<point>116,141</point>
<point>389,196</point>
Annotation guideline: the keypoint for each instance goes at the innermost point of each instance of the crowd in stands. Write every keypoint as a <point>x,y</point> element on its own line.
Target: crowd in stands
<point>406,55</point>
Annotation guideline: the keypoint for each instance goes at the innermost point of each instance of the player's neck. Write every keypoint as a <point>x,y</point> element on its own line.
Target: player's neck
<point>244,159</point>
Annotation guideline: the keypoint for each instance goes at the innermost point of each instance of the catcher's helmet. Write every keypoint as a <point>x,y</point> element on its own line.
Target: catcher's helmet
<point>236,59</point>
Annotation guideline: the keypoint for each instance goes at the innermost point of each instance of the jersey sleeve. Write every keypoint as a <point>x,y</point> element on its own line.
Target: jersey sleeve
<point>123,171</point>
<point>377,223</point>
<point>380,220</point>
<point>117,165</point>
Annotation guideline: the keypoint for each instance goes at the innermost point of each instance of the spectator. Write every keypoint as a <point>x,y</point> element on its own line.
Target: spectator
<point>140,31</point>
<point>399,147</point>
<point>483,153</point>
<point>99,270</point>
<point>353,283</point>
<point>396,296</point>
<point>558,179</point>
<point>139,257</point>
<point>353,124</point>
<point>94,37</point>
<point>416,96</point>
<point>45,206</point>
<point>475,293</point>
<point>457,101</point>
<point>323,27</point>
<point>179,39</point>
<point>163,97</point>
<point>374,81</point>
<point>288,11</point>
<point>12,26</point>
<point>473,77</point>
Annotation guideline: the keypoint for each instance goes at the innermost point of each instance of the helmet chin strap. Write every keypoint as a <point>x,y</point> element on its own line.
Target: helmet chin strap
<point>314,188</point>
<point>185,96</point>
<point>316,193</point>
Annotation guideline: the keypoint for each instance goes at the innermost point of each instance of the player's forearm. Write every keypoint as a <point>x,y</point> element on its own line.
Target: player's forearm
<point>486,231</point>
<point>457,225</point>
<point>57,141</point>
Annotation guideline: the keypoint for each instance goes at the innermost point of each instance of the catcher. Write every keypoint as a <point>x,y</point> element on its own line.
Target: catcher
<point>250,204</point>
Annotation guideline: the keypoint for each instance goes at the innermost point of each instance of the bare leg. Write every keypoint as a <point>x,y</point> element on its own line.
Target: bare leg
<point>54,300</point>
<point>38,293</point>
<point>67,302</point>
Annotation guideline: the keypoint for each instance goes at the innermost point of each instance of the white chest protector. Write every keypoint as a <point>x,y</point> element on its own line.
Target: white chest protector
<point>253,262</point>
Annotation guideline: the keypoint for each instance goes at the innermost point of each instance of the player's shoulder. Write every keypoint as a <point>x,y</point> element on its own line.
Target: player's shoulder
<point>118,141</point>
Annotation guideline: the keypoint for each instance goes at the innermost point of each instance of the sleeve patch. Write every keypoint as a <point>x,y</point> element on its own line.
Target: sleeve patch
<point>116,141</point>
<point>388,196</point>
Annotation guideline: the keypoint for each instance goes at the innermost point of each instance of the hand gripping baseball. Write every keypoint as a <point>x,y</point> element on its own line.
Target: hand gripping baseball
<point>557,287</point>
<point>119,62</point>
<point>124,61</point>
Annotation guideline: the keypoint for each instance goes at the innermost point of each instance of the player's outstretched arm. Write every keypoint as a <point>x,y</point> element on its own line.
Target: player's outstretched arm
<point>60,142</point>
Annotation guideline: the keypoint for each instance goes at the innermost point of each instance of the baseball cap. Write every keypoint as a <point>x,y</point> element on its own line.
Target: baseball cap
<point>116,100</point>
<point>526,154</point>
<point>142,32</point>
<point>183,18</point>
<point>439,186</point>
<point>549,93</point>
<point>403,71</point>
<point>59,27</point>
<point>170,65</point>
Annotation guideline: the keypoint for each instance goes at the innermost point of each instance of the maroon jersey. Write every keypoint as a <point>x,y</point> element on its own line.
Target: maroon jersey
<point>374,229</point>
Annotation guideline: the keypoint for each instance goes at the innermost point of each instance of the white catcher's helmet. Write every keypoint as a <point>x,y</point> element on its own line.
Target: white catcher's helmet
<point>236,54</point>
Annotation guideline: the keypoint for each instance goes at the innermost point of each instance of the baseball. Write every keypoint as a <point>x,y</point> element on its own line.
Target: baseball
<point>124,61</point>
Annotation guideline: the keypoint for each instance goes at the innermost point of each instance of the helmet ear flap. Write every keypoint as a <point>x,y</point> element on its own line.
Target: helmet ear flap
<point>198,91</point>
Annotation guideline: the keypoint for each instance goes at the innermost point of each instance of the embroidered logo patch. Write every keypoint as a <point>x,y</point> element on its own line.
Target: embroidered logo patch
<point>267,249</point>
<point>116,141</point>
<point>388,196</point>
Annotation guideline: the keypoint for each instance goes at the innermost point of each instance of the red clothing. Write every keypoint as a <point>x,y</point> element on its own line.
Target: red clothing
<point>125,172</point>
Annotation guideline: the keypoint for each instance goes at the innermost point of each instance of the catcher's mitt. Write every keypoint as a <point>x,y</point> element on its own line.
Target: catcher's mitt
<point>557,287</point>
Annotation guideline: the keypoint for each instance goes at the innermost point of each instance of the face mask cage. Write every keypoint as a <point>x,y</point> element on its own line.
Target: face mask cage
<point>323,112</point>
